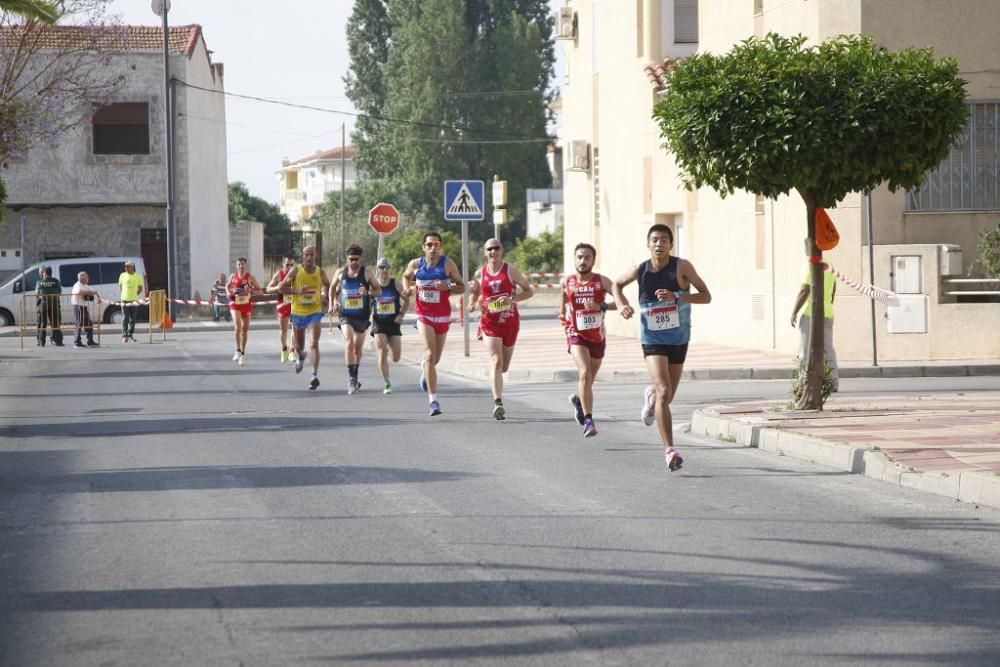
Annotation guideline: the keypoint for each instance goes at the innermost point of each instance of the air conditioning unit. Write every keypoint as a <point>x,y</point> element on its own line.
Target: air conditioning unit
<point>579,156</point>
<point>566,23</point>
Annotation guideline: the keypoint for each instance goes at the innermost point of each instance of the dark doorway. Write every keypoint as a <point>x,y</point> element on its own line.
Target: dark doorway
<point>154,254</point>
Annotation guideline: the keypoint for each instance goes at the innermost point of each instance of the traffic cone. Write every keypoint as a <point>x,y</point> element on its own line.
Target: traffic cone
<point>166,322</point>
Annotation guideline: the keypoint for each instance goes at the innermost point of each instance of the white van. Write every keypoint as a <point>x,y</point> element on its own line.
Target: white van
<point>103,272</point>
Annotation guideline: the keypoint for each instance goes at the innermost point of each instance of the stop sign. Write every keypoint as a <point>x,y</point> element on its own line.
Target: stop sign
<point>384,218</point>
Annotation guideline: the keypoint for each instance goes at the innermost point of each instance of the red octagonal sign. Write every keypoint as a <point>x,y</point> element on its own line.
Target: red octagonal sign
<point>384,218</point>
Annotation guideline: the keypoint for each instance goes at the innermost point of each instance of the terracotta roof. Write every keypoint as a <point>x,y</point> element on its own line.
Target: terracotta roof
<point>656,72</point>
<point>332,154</point>
<point>182,39</point>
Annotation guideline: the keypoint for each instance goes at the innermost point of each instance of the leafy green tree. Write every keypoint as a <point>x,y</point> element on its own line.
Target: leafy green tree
<point>988,263</point>
<point>245,206</point>
<point>773,115</point>
<point>31,10</point>
<point>543,254</point>
<point>459,92</point>
<point>402,247</point>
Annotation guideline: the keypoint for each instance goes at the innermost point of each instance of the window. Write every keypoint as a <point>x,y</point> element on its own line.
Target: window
<point>685,21</point>
<point>639,48</point>
<point>758,7</point>
<point>291,180</point>
<point>122,128</point>
<point>969,178</point>
<point>68,273</point>
<point>595,166</point>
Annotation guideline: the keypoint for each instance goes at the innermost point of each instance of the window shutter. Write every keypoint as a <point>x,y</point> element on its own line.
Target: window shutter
<point>685,21</point>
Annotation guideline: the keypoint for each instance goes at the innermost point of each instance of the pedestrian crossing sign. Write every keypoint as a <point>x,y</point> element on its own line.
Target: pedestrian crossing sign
<point>464,200</point>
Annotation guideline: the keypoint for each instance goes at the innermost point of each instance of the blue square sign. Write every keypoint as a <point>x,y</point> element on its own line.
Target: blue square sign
<point>464,200</point>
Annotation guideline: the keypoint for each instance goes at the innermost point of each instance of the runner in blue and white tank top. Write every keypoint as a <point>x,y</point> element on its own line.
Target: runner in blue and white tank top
<point>351,291</point>
<point>665,300</point>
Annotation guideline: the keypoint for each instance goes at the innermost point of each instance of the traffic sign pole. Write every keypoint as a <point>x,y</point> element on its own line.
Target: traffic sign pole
<point>465,279</point>
<point>464,201</point>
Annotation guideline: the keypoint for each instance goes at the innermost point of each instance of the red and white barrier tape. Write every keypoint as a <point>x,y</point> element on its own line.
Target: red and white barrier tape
<point>883,296</point>
<point>139,302</point>
<point>545,285</point>
<point>543,275</point>
<point>200,302</point>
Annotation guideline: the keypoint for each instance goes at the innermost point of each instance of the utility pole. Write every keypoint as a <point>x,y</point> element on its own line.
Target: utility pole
<point>161,8</point>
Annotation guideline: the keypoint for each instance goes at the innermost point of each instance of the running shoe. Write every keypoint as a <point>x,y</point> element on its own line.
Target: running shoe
<point>648,413</point>
<point>435,408</point>
<point>313,383</point>
<point>674,460</point>
<point>298,363</point>
<point>352,386</point>
<point>589,430</point>
<point>577,408</point>
<point>388,389</point>
<point>292,355</point>
<point>236,355</point>
<point>242,361</point>
<point>124,340</point>
<point>423,383</point>
<point>284,356</point>
<point>499,413</point>
<point>93,344</point>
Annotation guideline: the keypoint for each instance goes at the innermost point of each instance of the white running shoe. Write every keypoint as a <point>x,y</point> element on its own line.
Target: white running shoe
<point>673,460</point>
<point>237,355</point>
<point>648,413</point>
<point>242,361</point>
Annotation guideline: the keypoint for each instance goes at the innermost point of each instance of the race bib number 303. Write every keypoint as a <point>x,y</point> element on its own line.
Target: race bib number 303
<point>586,320</point>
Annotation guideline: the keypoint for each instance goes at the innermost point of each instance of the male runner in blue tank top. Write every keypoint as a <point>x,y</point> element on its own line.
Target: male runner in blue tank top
<point>665,300</point>
<point>351,291</point>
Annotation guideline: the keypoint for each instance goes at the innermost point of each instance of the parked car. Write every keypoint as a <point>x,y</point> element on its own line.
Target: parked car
<point>103,272</point>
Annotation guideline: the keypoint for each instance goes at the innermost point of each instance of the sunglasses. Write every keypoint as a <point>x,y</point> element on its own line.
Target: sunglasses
<point>432,244</point>
<point>492,248</point>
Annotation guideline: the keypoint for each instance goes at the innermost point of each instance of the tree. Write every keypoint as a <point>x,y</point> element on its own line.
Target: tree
<point>31,10</point>
<point>542,254</point>
<point>459,91</point>
<point>52,77</point>
<point>245,206</point>
<point>773,116</point>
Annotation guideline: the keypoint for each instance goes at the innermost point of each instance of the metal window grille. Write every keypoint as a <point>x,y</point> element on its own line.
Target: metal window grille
<point>969,178</point>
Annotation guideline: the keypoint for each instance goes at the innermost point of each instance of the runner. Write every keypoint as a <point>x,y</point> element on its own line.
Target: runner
<point>494,292</point>
<point>306,283</point>
<point>284,306</point>
<point>665,300</point>
<point>582,313</point>
<point>434,278</point>
<point>386,319</point>
<point>350,297</point>
<point>240,289</point>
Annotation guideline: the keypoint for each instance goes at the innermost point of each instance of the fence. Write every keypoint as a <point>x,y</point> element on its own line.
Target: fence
<point>954,288</point>
<point>42,316</point>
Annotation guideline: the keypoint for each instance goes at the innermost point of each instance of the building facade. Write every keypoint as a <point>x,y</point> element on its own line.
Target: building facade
<point>103,189</point>
<point>619,180</point>
<point>305,183</point>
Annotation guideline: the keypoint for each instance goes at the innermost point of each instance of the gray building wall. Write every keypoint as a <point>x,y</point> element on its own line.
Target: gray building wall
<point>80,203</point>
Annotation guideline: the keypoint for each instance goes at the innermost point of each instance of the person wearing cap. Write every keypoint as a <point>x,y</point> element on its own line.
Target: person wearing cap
<point>47,292</point>
<point>132,286</point>
<point>390,306</point>
<point>351,291</point>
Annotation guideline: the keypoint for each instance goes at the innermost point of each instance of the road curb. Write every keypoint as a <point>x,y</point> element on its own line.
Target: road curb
<point>968,487</point>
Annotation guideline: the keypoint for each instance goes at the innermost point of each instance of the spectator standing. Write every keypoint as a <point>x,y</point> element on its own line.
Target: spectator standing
<point>132,287</point>
<point>220,299</point>
<point>49,309</point>
<point>83,297</point>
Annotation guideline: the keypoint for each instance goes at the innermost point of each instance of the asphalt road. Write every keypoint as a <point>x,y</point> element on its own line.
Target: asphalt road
<point>160,505</point>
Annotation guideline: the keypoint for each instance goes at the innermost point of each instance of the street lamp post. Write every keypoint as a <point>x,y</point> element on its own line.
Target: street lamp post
<point>161,8</point>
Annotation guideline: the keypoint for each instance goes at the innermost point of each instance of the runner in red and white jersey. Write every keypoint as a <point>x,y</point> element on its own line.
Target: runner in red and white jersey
<point>240,289</point>
<point>284,306</point>
<point>496,290</point>
<point>432,278</point>
<point>582,313</point>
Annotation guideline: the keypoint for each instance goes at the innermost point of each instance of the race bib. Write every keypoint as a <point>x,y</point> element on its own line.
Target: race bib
<point>307,299</point>
<point>498,305</point>
<point>287,298</point>
<point>242,299</point>
<point>661,318</point>
<point>586,320</point>
<point>354,302</point>
<point>386,307</point>
<point>429,295</point>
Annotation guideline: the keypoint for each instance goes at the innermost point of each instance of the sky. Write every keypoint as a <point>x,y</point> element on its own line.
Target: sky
<point>292,50</point>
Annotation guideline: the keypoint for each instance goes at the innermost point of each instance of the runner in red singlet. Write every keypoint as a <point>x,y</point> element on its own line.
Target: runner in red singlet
<point>284,307</point>
<point>582,313</point>
<point>495,293</point>
<point>240,288</point>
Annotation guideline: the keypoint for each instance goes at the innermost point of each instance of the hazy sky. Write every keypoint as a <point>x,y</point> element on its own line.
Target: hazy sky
<point>292,50</point>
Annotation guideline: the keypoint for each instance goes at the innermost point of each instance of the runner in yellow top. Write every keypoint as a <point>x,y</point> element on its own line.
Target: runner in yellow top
<point>307,283</point>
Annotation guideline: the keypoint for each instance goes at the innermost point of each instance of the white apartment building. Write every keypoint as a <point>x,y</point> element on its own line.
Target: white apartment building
<point>304,183</point>
<point>619,180</point>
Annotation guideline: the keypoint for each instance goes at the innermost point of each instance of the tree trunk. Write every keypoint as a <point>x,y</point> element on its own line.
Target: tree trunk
<point>812,397</point>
